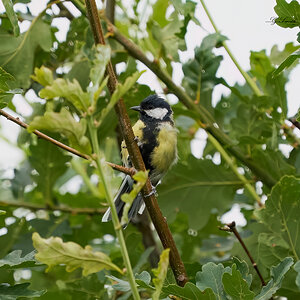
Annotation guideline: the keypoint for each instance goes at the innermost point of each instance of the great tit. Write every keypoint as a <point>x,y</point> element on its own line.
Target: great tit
<point>156,136</point>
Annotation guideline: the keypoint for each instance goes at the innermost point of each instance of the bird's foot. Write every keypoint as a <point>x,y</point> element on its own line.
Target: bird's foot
<point>153,192</point>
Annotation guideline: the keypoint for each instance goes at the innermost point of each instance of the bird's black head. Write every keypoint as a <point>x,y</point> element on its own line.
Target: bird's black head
<point>154,108</point>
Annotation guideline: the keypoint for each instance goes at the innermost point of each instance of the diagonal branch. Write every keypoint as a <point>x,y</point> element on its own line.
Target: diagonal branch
<point>67,209</point>
<point>210,124</point>
<point>128,171</point>
<point>155,213</point>
<point>42,135</point>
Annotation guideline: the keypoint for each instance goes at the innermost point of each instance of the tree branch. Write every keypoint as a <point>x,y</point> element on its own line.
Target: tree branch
<point>295,122</point>
<point>231,228</point>
<point>110,10</point>
<point>155,213</point>
<point>128,171</point>
<point>72,210</point>
<point>210,124</point>
<point>43,136</point>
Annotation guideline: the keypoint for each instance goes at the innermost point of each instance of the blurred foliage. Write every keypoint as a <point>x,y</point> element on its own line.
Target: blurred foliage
<point>83,253</point>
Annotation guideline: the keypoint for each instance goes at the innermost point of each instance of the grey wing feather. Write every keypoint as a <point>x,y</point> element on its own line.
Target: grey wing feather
<point>125,187</point>
<point>137,205</point>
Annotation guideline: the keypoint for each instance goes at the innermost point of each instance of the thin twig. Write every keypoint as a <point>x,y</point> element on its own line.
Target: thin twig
<point>64,12</point>
<point>231,228</point>
<point>72,210</point>
<point>295,122</point>
<point>155,213</point>
<point>42,135</point>
<point>128,171</point>
<point>205,117</point>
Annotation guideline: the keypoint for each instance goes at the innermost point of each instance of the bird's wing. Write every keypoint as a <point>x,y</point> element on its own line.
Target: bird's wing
<point>125,187</point>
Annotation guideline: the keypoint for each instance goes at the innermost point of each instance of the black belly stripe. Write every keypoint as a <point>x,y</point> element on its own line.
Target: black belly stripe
<point>149,143</point>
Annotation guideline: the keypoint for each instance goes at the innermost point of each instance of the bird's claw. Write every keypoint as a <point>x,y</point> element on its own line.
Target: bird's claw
<point>153,192</point>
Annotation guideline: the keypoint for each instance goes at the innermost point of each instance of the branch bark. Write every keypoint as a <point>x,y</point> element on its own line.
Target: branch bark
<point>209,123</point>
<point>231,228</point>
<point>155,213</point>
<point>42,135</point>
<point>128,171</point>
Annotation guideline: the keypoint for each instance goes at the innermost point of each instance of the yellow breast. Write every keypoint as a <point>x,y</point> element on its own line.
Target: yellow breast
<point>165,154</point>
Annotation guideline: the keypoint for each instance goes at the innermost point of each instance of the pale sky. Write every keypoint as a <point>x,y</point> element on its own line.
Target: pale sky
<point>243,22</point>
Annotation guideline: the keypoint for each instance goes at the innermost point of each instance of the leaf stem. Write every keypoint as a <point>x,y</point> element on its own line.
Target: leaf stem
<point>248,79</point>
<point>114,215</point>
<point>233,167</point>
<point>231,228</point>
<point>72,210</point>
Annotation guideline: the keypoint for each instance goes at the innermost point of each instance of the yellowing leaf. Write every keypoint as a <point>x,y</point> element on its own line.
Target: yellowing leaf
<point>54,251</point>
<point>160,273</point>
<point>63,122</point>
<point>43,76</point>
<point>140,178</point>
<point>70,90</point>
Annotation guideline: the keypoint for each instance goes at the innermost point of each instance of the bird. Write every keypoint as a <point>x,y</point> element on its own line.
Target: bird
<point>156,136</point>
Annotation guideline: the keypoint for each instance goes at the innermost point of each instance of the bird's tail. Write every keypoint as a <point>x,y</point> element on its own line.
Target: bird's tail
<point>136,207</point>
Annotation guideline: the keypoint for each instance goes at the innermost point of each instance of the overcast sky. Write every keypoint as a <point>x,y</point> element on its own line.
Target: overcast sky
<point>244,22</point>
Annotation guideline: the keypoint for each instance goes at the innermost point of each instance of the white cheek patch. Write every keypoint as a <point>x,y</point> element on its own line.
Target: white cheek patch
<point>157,113</point>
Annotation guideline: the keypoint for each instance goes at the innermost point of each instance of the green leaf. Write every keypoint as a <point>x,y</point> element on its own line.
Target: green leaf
<point>190,292</point>
<point>297,269</point>
<point>287,62</point>
<point>160,273</point>
<point>288,13</point>
<point>144,277</point>
<point>43,76</point>
<point>50,163</point>
<point>21,51</point>
<point>200,72</point>
<point>121,285</point>
<point>13,260</point>
<point>281,214</point>
<point>235,286</point>
<point>159,12</point>
<point>274,162</point>
<point>5,92</point>
<point>64,123</point>
<point>260,66</point>
<point>140,180</point>
<point>9,9</point>
<point>190,184</point>
<point>54,251</point>
<point>18,290</point>
<point>102,57</point>
<point>278,56</point>
<point>211,277</point>
<point>277,275</point>
<point>167,38</point>
<point>4,78</point>
<point>70,90</point>
<point>243,268</point>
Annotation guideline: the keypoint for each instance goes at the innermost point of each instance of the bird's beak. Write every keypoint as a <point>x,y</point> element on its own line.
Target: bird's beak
<point>137,108</point>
